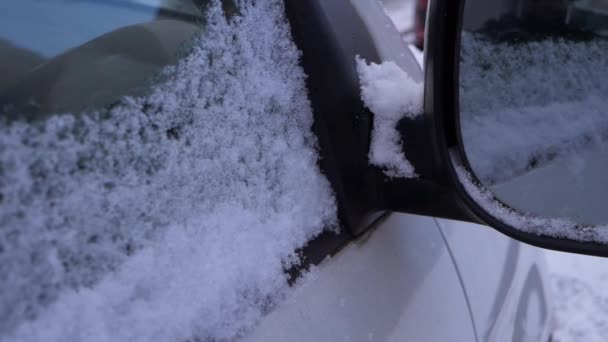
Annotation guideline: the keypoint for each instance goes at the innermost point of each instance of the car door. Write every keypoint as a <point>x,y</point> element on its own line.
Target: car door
<point>505,281</point>
<point>396,283</point>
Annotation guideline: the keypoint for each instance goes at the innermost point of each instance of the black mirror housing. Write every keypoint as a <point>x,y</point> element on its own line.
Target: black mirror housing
<point>445,20</point>
<point>432,142</point>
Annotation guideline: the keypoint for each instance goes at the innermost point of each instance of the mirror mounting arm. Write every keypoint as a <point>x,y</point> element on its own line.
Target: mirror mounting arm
<point>430,193</point>
<point>323,31</point>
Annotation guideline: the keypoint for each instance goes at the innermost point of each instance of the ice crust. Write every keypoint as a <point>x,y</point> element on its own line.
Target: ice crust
<point>524,103</point>
<point>170,216</point>
<point>391,95</point>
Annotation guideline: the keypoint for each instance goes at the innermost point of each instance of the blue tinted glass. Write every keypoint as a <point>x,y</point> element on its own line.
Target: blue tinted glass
<point>48,28</point>
<point>67,56</point>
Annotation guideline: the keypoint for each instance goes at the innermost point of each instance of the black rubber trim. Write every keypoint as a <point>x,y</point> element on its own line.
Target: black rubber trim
<point>330,34</point>
<point>327,244</point>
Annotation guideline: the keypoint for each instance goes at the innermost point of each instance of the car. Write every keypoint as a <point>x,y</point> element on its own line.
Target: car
<point>263,171</point>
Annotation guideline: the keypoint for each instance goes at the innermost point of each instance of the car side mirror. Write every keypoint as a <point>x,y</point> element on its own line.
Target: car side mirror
<point>511,132</point>
<point>516,109</point>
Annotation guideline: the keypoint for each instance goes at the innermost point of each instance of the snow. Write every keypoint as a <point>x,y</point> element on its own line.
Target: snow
<point>538,92</point>
<point>170,216</point>
<point>391,94</point>
<point>580,297</point>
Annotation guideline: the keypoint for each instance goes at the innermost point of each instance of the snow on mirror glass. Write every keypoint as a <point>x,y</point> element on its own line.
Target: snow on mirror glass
<point>533,106</point>
<point>170,215</point>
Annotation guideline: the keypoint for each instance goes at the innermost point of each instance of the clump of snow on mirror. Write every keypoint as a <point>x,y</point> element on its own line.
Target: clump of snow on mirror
<point>527,222</point>
<point>171,216</point>
<point>524,104</point>
<point>391,95</point>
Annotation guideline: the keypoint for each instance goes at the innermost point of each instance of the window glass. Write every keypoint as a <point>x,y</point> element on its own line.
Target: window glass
<point>68,56</point>
<point>168,214</point>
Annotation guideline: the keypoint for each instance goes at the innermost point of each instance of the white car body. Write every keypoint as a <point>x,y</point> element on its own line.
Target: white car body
<point>416,278</point>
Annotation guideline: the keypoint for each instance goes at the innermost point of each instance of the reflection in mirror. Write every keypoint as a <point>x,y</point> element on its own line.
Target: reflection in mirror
<point>533,85</point>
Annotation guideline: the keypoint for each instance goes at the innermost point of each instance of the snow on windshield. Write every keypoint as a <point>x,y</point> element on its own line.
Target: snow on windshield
<point>391,95</point>
<point>170,216</point>
<point>524,103</point>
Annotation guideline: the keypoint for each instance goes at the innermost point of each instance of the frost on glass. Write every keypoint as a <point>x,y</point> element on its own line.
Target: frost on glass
<point>524,104</point>
<point>391,95</point>
<point>171,215</point>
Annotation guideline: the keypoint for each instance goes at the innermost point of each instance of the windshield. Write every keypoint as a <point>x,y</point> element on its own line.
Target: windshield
<point>168,213</point>
<point>49,28</point>
<point>68,56</point>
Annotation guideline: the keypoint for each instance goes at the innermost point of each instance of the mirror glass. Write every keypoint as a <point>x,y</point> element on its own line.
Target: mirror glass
<point>533,100</point>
